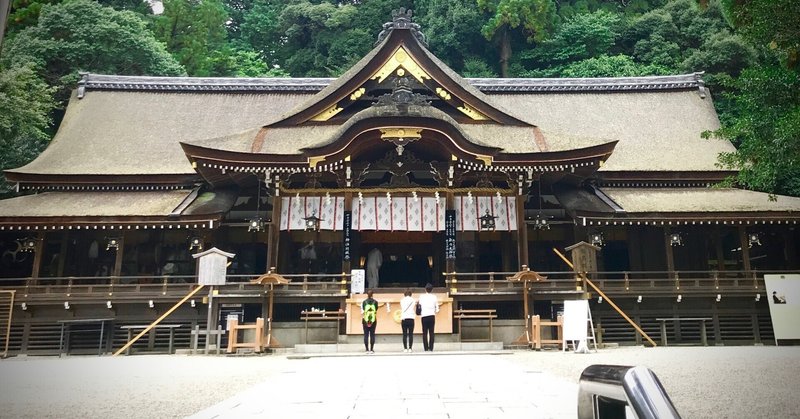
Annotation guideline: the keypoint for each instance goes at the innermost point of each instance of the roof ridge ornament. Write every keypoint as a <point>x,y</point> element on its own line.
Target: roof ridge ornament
<point>401,19</point>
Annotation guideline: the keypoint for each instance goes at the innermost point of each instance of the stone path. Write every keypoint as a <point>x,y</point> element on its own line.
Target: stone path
<point>418,385</point>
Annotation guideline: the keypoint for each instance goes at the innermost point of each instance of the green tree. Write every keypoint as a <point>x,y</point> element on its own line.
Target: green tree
<point>452,30</point>
<point>764,125</point>
<point>81,35</point>
<point>578,38</point>
<point>534,18</point>
<point>774,23</point>
<point>194,32</point>
<point>25,106</point>
<point>612,66</point>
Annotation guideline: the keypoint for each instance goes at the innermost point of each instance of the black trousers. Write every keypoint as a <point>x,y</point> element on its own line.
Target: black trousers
<point>369,335</point>
<point>408,333</point>
<point>428,322</point>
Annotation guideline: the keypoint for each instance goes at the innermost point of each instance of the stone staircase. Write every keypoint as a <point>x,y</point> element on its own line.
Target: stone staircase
<point>388,344</point>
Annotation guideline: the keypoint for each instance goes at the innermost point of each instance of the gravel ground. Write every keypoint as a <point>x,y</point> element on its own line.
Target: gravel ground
<point>703,382</point>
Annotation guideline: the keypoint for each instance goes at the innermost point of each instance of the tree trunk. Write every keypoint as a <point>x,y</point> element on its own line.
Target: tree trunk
<point>505,51</point>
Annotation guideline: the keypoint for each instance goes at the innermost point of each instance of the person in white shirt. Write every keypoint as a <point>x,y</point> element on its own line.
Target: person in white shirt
<point>407,307</point>
<point>430,306</point>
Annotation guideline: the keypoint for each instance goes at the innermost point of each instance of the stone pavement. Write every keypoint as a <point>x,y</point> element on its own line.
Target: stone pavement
<point>438,385</point>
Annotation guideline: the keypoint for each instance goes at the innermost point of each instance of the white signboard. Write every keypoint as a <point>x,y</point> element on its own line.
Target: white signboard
<point>783,294</point>
<point>576,318</point>
<point>357,281</point>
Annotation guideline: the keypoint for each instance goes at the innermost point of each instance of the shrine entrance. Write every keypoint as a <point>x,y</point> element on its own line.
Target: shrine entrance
<point>408,257</point>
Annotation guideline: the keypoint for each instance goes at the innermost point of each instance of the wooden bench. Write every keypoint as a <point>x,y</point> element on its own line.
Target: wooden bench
<point>677,320</point>
<point>66,329</point>
<point>475,314</point>
<point>321,316</point>
<point>152,334</point>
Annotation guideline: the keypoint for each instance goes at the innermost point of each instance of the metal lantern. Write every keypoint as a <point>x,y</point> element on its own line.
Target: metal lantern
<point>487,221</point>
<point>753,239</point>
<point>28,245</point>
<point>195,243</point>
<point>255,224</point>
<point>540,222</point>
<point>675,239</point>
<point>312,222</point>
<point>596,239</point>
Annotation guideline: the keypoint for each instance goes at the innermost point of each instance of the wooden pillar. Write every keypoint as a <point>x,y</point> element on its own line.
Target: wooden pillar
<point>745,244</point>
<point>669,253</point>
<point>522,232</point>
<point>718,248</point>
<point>635,248</point>
<point>118,259</point>
<point>274,232</point>
<point>37,256</point>
<point>507,246</point>
<point>62,253</point>
<point>791,259</point>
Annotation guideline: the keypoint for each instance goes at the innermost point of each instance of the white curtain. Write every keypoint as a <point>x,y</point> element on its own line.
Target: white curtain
<point>400,213</point>
<point>329,210</point>
<point>469,210</point>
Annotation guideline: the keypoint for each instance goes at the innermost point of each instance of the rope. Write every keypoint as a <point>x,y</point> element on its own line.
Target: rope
<point>427,190</point>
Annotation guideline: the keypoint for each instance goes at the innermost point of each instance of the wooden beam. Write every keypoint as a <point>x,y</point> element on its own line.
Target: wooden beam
<point>163,316</point>
<point>274,233</point>
<point>605,297</point>
<point>37,256</point>
<point>745,245</point>
<point>668,251</point>
<point>118,260</point>
<point>522,232</point>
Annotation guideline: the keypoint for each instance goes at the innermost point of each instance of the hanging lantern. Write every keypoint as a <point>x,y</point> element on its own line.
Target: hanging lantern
<point>255,224</point>
<point>195,243</point>
<point>312,222</point>
<point>112,243</point>
<point>487,221</point>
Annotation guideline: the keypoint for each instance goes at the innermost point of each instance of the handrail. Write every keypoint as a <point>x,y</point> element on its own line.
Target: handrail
<point>605,391</point>
<point>552,275</point>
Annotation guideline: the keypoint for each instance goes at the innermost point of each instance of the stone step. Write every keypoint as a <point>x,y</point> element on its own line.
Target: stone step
<point>396,347</point>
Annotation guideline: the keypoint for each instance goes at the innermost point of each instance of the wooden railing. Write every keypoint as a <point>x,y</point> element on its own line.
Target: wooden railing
<point>165,287</point>
<point>646,283</point>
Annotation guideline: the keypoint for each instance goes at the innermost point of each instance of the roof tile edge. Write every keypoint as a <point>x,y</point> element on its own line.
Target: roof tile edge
<point>312,85</point>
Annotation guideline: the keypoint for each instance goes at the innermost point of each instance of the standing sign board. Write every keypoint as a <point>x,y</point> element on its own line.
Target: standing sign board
<point>357,281</point>
<point>576,317</point>
<point>783,295</point>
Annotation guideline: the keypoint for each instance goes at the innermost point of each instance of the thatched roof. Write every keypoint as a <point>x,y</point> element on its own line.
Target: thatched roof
<point>172,207</point>
<point>688,200</point>
<point>657,131</point>
<point>133,126</point>
<point>137,132</point>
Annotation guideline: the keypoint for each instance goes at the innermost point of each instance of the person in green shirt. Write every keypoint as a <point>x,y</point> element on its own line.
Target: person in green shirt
<point>369,321</point>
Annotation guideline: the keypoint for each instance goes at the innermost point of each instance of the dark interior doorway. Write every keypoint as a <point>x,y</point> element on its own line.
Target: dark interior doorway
<point>408,257</point>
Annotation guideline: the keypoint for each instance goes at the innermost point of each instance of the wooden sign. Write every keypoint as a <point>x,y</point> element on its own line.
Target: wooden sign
<point>450,234</point>
<point>212,266</point>
<point>347,236</point>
